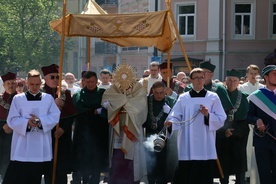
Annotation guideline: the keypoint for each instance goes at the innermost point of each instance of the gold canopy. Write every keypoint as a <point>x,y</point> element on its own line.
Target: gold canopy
<point>139,29</point>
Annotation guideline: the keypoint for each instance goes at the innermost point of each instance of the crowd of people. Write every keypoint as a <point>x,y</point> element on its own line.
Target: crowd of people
<point>107,126</point>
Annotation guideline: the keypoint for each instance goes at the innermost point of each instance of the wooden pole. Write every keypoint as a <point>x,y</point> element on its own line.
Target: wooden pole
<point>168,69</point>
<point>168,2</point>
<point>219,168</point>
<point>59,84</point>
<point>88,53</point>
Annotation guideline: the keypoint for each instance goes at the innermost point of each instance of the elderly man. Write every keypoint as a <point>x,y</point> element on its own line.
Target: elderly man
<point>64,132</point>
<point>196,115</point>
<point>232,138</point>
<point>9,85</point>
<point>32,116</point>
<point>70,80</point>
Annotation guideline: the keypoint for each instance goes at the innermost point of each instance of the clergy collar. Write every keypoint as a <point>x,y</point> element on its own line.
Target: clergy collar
<point>199,90</point>
<point>33,93</point>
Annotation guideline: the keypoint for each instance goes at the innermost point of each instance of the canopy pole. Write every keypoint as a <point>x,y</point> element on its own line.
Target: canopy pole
<point>59,86</point>
<point>168,2</point>
<point>169,69</point>
<point>88,53</point>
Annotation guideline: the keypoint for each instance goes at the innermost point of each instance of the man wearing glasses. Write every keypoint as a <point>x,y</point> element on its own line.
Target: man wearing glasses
<point>64,132</point>
<point>196,115</point>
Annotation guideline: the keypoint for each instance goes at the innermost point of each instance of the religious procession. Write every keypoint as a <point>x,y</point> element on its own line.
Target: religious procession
<point>118,129</point>
<point>178,120</point>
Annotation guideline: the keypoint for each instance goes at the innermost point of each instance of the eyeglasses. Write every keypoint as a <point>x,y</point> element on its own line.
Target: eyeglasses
<point>52,77</point>
<point>198,78</point>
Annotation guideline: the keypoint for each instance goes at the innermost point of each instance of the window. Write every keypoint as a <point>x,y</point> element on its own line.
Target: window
<point>186,19</point>
<point>243,19</point>
<point>274,18</point>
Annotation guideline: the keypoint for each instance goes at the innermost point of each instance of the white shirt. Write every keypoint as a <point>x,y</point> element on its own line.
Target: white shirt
<point>151,81</point>
<point>250,88</point>
<point>104,86</point>
<point>197,141</point>
<point>74,89</point>
<point>33,146</point>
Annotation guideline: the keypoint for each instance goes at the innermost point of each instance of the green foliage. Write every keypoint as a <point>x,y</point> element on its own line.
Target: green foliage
<point>26,40</point>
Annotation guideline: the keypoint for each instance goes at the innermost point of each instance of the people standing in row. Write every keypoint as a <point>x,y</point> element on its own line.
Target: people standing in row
<point>91,132</point>
<point>32,116</point>
<point>9,84</point>
<point>64,131</point>
<point>159,106</point>
<point>262,114</point>
<point>232,137</point>
<point>196,115</point>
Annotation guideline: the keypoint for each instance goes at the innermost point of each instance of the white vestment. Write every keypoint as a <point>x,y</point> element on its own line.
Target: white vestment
<point>197,141</point>
<point>35,145</point>
<point>150,81</point>
<point>250,88</point>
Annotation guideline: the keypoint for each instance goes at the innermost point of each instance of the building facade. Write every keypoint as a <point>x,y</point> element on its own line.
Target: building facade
<point>229,33</point>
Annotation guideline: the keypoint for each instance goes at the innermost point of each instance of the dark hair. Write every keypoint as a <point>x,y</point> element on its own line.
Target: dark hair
<point>105,71</point>
<point>158,84</point>
<point>89,74</point>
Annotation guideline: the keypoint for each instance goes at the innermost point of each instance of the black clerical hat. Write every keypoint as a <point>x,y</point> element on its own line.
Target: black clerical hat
<point>53,68</point>
<point>233,73</point>
<point>164,65</point>
<point>207,65</point>
<point>8,76</point>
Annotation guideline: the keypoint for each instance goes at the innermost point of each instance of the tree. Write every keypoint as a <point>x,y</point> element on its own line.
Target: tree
<point>26,40</point>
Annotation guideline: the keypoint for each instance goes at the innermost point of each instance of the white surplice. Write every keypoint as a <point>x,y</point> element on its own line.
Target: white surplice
<point>196,141</point>
<point>35,145</point>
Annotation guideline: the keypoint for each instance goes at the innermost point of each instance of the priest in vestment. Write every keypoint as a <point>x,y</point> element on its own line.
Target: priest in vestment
<point>126,103</point>
<point>196,115</point>
<point>32,116</point>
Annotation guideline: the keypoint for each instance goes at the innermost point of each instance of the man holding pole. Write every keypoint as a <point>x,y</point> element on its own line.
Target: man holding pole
<point>64,132</point>
<point>196,115</point>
